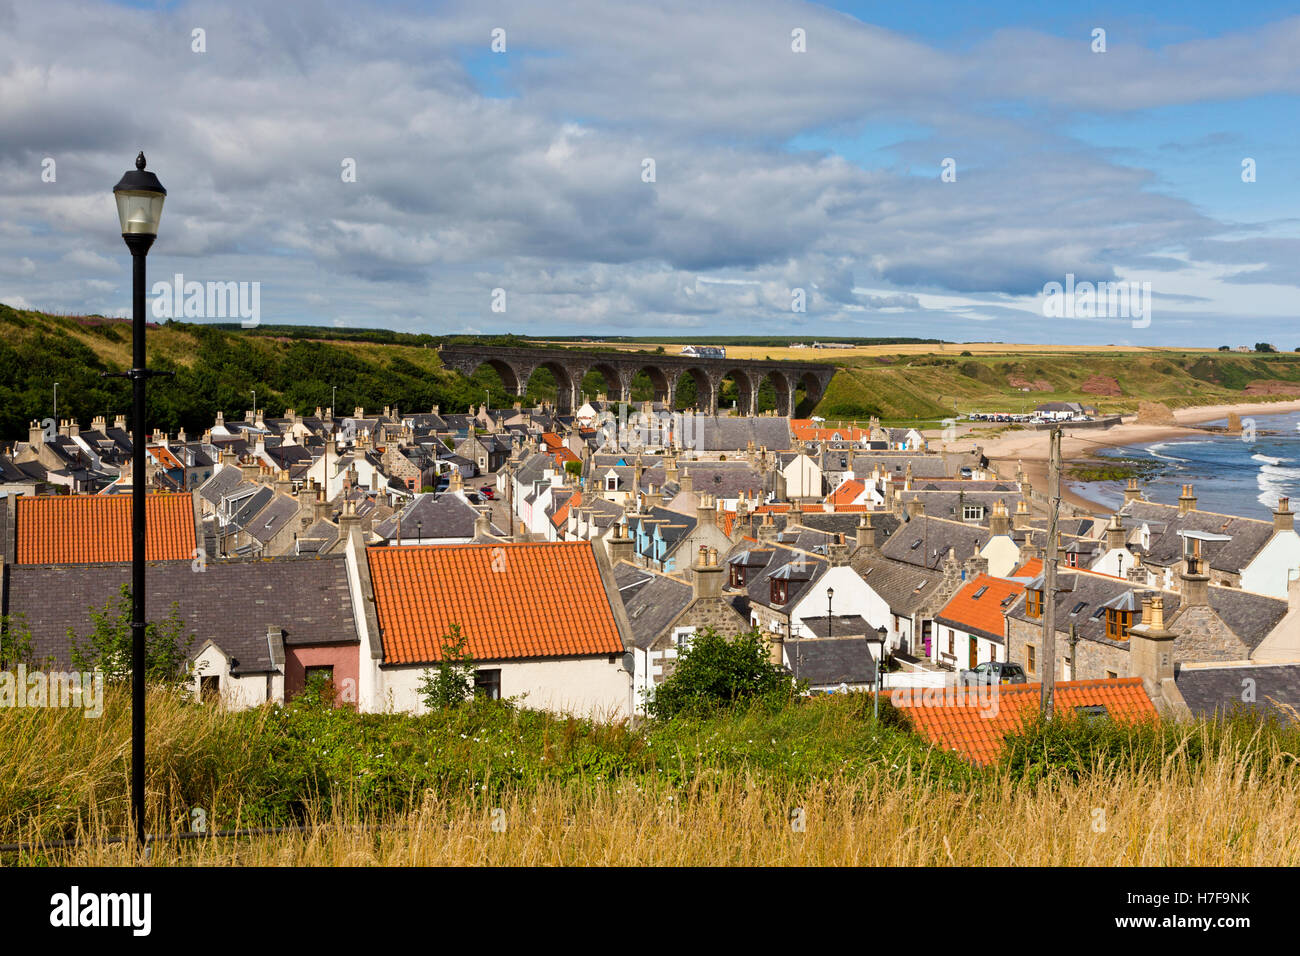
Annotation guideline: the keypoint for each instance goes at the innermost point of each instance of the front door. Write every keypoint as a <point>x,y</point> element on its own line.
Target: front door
<point>974,653</point>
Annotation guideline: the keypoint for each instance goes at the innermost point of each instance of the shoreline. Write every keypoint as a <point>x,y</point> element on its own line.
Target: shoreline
<point>1029,448</point>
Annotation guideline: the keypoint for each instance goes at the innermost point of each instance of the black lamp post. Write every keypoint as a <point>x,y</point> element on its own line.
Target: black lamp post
<point>830,621</point>
<point>139,198</point>
<point>881,635</point>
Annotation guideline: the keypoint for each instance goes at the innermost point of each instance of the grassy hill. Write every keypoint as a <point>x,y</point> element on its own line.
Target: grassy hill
<point>814,782</point>
<point>218,367</point>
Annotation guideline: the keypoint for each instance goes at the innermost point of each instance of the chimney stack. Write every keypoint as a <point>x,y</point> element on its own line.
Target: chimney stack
<point>1132,492</point>
<point>866,532</point>
<point>1020,520</point>
<point>1283,517</point>
<point>707,577</point>
<point>1195,578</point>
<point>1151,648</point>
<point>999,520</point>
<point>837,552</point>
<point>483,523</point>
<point>620,545</point>
<point>1115,534</point>
<point>1186,501</point>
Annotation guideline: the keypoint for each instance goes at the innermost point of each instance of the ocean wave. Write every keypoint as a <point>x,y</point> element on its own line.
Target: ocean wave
<point>1153,449</point>
<point>1275,482</point>
<point>1268,460</point>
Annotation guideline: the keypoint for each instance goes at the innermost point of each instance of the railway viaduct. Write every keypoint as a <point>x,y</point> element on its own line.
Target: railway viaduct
<point>666,372</point>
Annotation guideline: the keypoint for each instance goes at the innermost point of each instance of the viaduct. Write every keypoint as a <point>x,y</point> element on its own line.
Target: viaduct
<point>666,372</point>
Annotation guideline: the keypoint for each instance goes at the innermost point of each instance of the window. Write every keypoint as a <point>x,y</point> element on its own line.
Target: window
<point>779,592</point>
<point>737,576</point>
<point>1031,658</point>
<point>1118,624</point>
<point>1033,602</point>
<point>950,642</point>
<point>1077,608</point>
<point>980,593</point>
<point>1072,559</point>
<point>973,513</point>
<point>1112,674</point>
<point>487,683</point>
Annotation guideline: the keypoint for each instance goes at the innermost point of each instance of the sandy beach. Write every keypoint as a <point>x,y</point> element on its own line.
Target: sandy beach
<point>1030,447</point>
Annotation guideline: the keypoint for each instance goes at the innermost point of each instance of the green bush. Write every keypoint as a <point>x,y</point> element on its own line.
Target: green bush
<point>714,671</point>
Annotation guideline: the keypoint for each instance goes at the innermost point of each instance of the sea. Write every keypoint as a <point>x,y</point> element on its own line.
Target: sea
<point>1233,474</point>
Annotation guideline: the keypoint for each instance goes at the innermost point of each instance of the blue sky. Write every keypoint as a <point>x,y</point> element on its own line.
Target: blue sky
<point>775,171</point>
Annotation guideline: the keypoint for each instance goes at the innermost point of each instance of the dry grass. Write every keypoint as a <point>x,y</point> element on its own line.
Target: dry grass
<point>1216,815</point>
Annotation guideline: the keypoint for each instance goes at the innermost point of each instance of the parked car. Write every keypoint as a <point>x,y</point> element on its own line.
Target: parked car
<point>473,497</point>
<point>488,492</point>
<point>995,672</point>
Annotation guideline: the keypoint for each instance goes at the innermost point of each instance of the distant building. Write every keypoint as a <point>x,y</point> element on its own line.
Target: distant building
<point>704,351</point>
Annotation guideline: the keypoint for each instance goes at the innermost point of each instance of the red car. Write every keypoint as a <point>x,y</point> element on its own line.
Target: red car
<point>488,492</point>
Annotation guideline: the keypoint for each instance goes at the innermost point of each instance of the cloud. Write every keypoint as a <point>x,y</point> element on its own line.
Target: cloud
<point>524,171</point>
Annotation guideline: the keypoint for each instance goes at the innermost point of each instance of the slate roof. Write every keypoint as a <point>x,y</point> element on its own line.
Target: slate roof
<point>828,662</point>
<point>843,625</point>
<point>89,528</point>
<point>520,600</point>
<point>925,541</point>
<point>764,561</point>
<point>651,601</point>
<point>231,603</point>
<point>1220,690</point>
<point>923,466</point>
<point>1248,535</point>
<point>906,588</point>
<point>725,433</point>
<point>431,516</point>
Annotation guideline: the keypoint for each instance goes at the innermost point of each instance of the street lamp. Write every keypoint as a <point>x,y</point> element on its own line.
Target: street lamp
<point>139,197</point>
<point>830,621</point>
<point>881,635</point>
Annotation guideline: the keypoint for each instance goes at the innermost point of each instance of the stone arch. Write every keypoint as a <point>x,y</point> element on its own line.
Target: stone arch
<point>782,391</point>
<point>663,385</point>
<point>512,379</point>
<point>613,376</point>
<point>706,399</point>
<point>566,389</point>
<point>813,386</point>
<point>746,388</point>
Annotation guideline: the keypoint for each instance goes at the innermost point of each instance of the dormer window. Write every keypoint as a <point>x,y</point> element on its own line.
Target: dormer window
<point>1118,624</point>
<point>973,513</point>
<point>780,591</point>
<point>1033,602</point>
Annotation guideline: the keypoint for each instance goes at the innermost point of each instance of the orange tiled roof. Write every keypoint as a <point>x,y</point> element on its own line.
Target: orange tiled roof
<point>983,613</point>
<point>953,722</point>
<point>805,429</point>
<point>553,441</point>
<point>847,492</point>
<point>534,599</point>
<point>1030,569</point>
<point>84,529</point>
<point>562,513</point>
<point>562,456</point>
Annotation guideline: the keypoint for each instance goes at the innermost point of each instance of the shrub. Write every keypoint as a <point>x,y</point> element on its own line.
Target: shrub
<point>450,682</point>
<point>714,671</point>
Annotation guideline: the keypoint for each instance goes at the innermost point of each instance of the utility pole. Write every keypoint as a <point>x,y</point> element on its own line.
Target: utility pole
<point>1049,571</point>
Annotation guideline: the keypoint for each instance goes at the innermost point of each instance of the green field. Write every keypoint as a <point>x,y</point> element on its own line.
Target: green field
<point>907,381</point>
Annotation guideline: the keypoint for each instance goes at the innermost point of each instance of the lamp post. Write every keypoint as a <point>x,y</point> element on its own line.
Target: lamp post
<point>830,621</point>
<point>139,196</point>
<point>881,635</point>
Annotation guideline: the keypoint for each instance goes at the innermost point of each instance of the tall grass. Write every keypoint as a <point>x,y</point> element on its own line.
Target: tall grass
<point>817,783</point>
